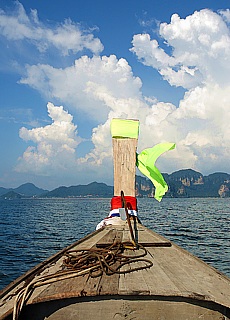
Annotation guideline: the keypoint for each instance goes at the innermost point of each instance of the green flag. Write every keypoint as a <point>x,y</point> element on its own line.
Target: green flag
<point>146,164</point>
<point>121,128</point>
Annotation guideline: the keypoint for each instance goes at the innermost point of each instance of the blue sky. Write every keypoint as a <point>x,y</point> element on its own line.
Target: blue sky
<point>68,67</point>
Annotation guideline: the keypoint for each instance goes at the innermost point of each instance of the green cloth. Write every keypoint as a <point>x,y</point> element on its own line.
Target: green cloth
<point>146,164</point>
<point>121,128</point>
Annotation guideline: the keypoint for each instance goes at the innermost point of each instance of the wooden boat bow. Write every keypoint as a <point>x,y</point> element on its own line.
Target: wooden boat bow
<point>176,279</point>
<point>113,273</point>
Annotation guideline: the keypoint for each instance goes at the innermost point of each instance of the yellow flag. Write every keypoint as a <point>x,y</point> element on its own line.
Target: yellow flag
<point>146,164</point>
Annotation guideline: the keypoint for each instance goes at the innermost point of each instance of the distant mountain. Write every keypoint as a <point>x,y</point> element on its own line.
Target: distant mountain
<point>11,195</point>
<point>93,189</point>
<point>29,189</point>
<point>185,183</point>
<point>188,183</point>
<point>3,190</point>
<point>197,185</point>
<point>25,190</point>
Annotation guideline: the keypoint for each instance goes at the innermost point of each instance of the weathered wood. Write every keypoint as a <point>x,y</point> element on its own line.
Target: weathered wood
<point>177,280</point>
<point>124,151</point>
<point>108,239</point>
<point>74,287</point>
<point>193,277</point>
<point>152,240</point>
<point>126,308</point>
<point>109,284</point>
<point>141,236</point>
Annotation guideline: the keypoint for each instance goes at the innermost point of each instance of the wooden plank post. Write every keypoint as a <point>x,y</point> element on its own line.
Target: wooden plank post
<point>125,136</point>
<point>124,158</point>
<point>124,155</point>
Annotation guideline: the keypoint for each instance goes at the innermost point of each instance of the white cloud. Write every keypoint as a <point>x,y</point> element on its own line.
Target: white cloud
<point>105,87</point>
<point>225,14</point>
<point>200,46</point>
<point>53,146</point>
<point>91,85</point>
<point>67,37</point>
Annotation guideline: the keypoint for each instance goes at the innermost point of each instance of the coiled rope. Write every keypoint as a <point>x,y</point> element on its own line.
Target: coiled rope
<point>108,260</point>
<point>95,262</point>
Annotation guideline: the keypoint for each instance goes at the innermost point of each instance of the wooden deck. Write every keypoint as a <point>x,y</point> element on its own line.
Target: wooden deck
<point>177,286</point>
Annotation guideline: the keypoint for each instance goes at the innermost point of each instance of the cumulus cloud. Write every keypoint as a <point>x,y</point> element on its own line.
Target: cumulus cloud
<point>67,37</point>
<point>53,146</point>
<point>199,63</point>
<point>105,87</point>
<point>86,84</point>
<point>200,47</point>
<point>200,51</point>
<point>225,14</point>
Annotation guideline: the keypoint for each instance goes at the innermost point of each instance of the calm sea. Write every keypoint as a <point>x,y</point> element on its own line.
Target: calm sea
<point>31,230</point>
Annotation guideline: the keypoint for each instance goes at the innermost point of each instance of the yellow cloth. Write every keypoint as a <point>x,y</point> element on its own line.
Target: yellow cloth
<point>146,164</point>
<point>121,128</point>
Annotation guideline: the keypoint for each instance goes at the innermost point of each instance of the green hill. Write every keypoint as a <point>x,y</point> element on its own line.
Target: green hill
<point>11,195</point>
<point>93,189</point>
<point>182,183</point>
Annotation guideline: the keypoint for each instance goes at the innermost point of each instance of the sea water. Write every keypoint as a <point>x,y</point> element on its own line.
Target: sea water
<point>31,230</point>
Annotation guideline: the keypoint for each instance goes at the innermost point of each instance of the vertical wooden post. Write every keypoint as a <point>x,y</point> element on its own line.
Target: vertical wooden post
<point>124,155</point>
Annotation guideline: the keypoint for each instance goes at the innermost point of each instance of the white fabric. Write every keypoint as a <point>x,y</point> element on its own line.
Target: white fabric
<point>131,212</point>
<point>112,220</point>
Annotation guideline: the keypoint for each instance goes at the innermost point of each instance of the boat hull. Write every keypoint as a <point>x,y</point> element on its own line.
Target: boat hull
<point>125,307</point>
<point>175,285</point>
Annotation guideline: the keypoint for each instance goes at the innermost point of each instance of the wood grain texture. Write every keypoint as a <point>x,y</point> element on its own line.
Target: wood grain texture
<point>177,280</point>
<point>124,153</point>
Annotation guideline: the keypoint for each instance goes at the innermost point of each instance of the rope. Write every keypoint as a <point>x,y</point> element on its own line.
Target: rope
<point>109,260</point>
<point>124,205</point>
<point>95,262</point>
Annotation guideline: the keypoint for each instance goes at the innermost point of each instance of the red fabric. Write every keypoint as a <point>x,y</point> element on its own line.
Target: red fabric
<point>131,202</point>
